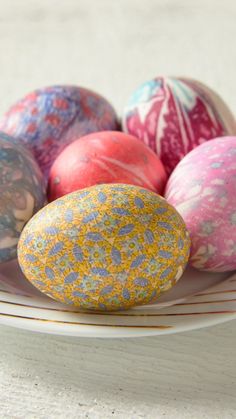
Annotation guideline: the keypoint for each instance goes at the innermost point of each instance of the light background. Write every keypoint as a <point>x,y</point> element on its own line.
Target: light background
<point>112,47</point>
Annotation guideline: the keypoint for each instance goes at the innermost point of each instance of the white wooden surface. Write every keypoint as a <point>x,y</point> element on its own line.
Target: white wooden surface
<point>112,46</point>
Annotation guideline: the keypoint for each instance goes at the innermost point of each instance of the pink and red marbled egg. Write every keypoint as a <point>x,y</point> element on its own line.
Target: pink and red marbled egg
<point>174,115</point>
<point>203,190</point>
<point>105,157</point>
<point>49,119</point>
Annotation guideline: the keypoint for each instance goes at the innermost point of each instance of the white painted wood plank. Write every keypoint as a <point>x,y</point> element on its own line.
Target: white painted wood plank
<point>189,375</point>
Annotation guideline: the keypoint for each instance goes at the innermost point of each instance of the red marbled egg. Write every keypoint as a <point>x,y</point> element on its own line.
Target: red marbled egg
<point>105,157</point>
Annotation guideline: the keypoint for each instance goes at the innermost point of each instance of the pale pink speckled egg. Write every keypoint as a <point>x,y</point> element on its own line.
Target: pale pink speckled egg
<point>174,115</point>
<point>203,190</point>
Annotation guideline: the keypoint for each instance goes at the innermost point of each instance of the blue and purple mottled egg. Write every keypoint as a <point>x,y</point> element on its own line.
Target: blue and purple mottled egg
<point>50,118</point>
<point>22,192</point>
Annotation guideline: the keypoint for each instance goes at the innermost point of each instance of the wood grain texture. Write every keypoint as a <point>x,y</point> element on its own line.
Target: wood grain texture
<point>113,47</point>
<point>188,375</point>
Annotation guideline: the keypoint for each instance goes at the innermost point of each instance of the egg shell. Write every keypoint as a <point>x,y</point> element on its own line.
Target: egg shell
<point>174,115</point>
<point>22,190</point>
<point>203,190</point>
<point>105,157</point>
<point>50,118</point>
<point>107,247</point>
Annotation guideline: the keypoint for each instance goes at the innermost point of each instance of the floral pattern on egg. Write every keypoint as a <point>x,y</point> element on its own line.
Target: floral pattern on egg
<point>115,260</point>
<point>203,190</point>
<point>22,191</point>
<point>50,118</point>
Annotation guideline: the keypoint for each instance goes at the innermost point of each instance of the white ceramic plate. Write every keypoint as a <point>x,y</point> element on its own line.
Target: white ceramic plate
<point>198,300</point>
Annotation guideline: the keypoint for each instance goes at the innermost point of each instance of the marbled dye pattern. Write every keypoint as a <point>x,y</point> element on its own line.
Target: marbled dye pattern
<point>174,115</point>
<point>105,157</point>
<point>203,190</point>
<point>48,119</point>
<point>22,192</point>
<point>107,247</point>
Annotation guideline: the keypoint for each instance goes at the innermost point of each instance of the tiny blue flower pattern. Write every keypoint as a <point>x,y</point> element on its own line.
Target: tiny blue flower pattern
<point>104,257</point>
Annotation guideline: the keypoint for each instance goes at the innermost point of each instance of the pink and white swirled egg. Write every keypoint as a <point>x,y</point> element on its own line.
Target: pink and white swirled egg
<point>49,119</point>
<point>203,190</point>
<point>174,115</point>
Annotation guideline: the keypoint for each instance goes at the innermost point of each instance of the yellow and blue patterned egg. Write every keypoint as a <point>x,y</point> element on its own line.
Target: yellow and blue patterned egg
<point>107,247</point>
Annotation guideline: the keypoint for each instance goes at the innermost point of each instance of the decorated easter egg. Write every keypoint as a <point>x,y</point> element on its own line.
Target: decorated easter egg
<point>22,192</point>
<point>203,190</point>
<point>50,118</point>
<point>105,157</point>
<point>107,247</point>
<point>174,115</point>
